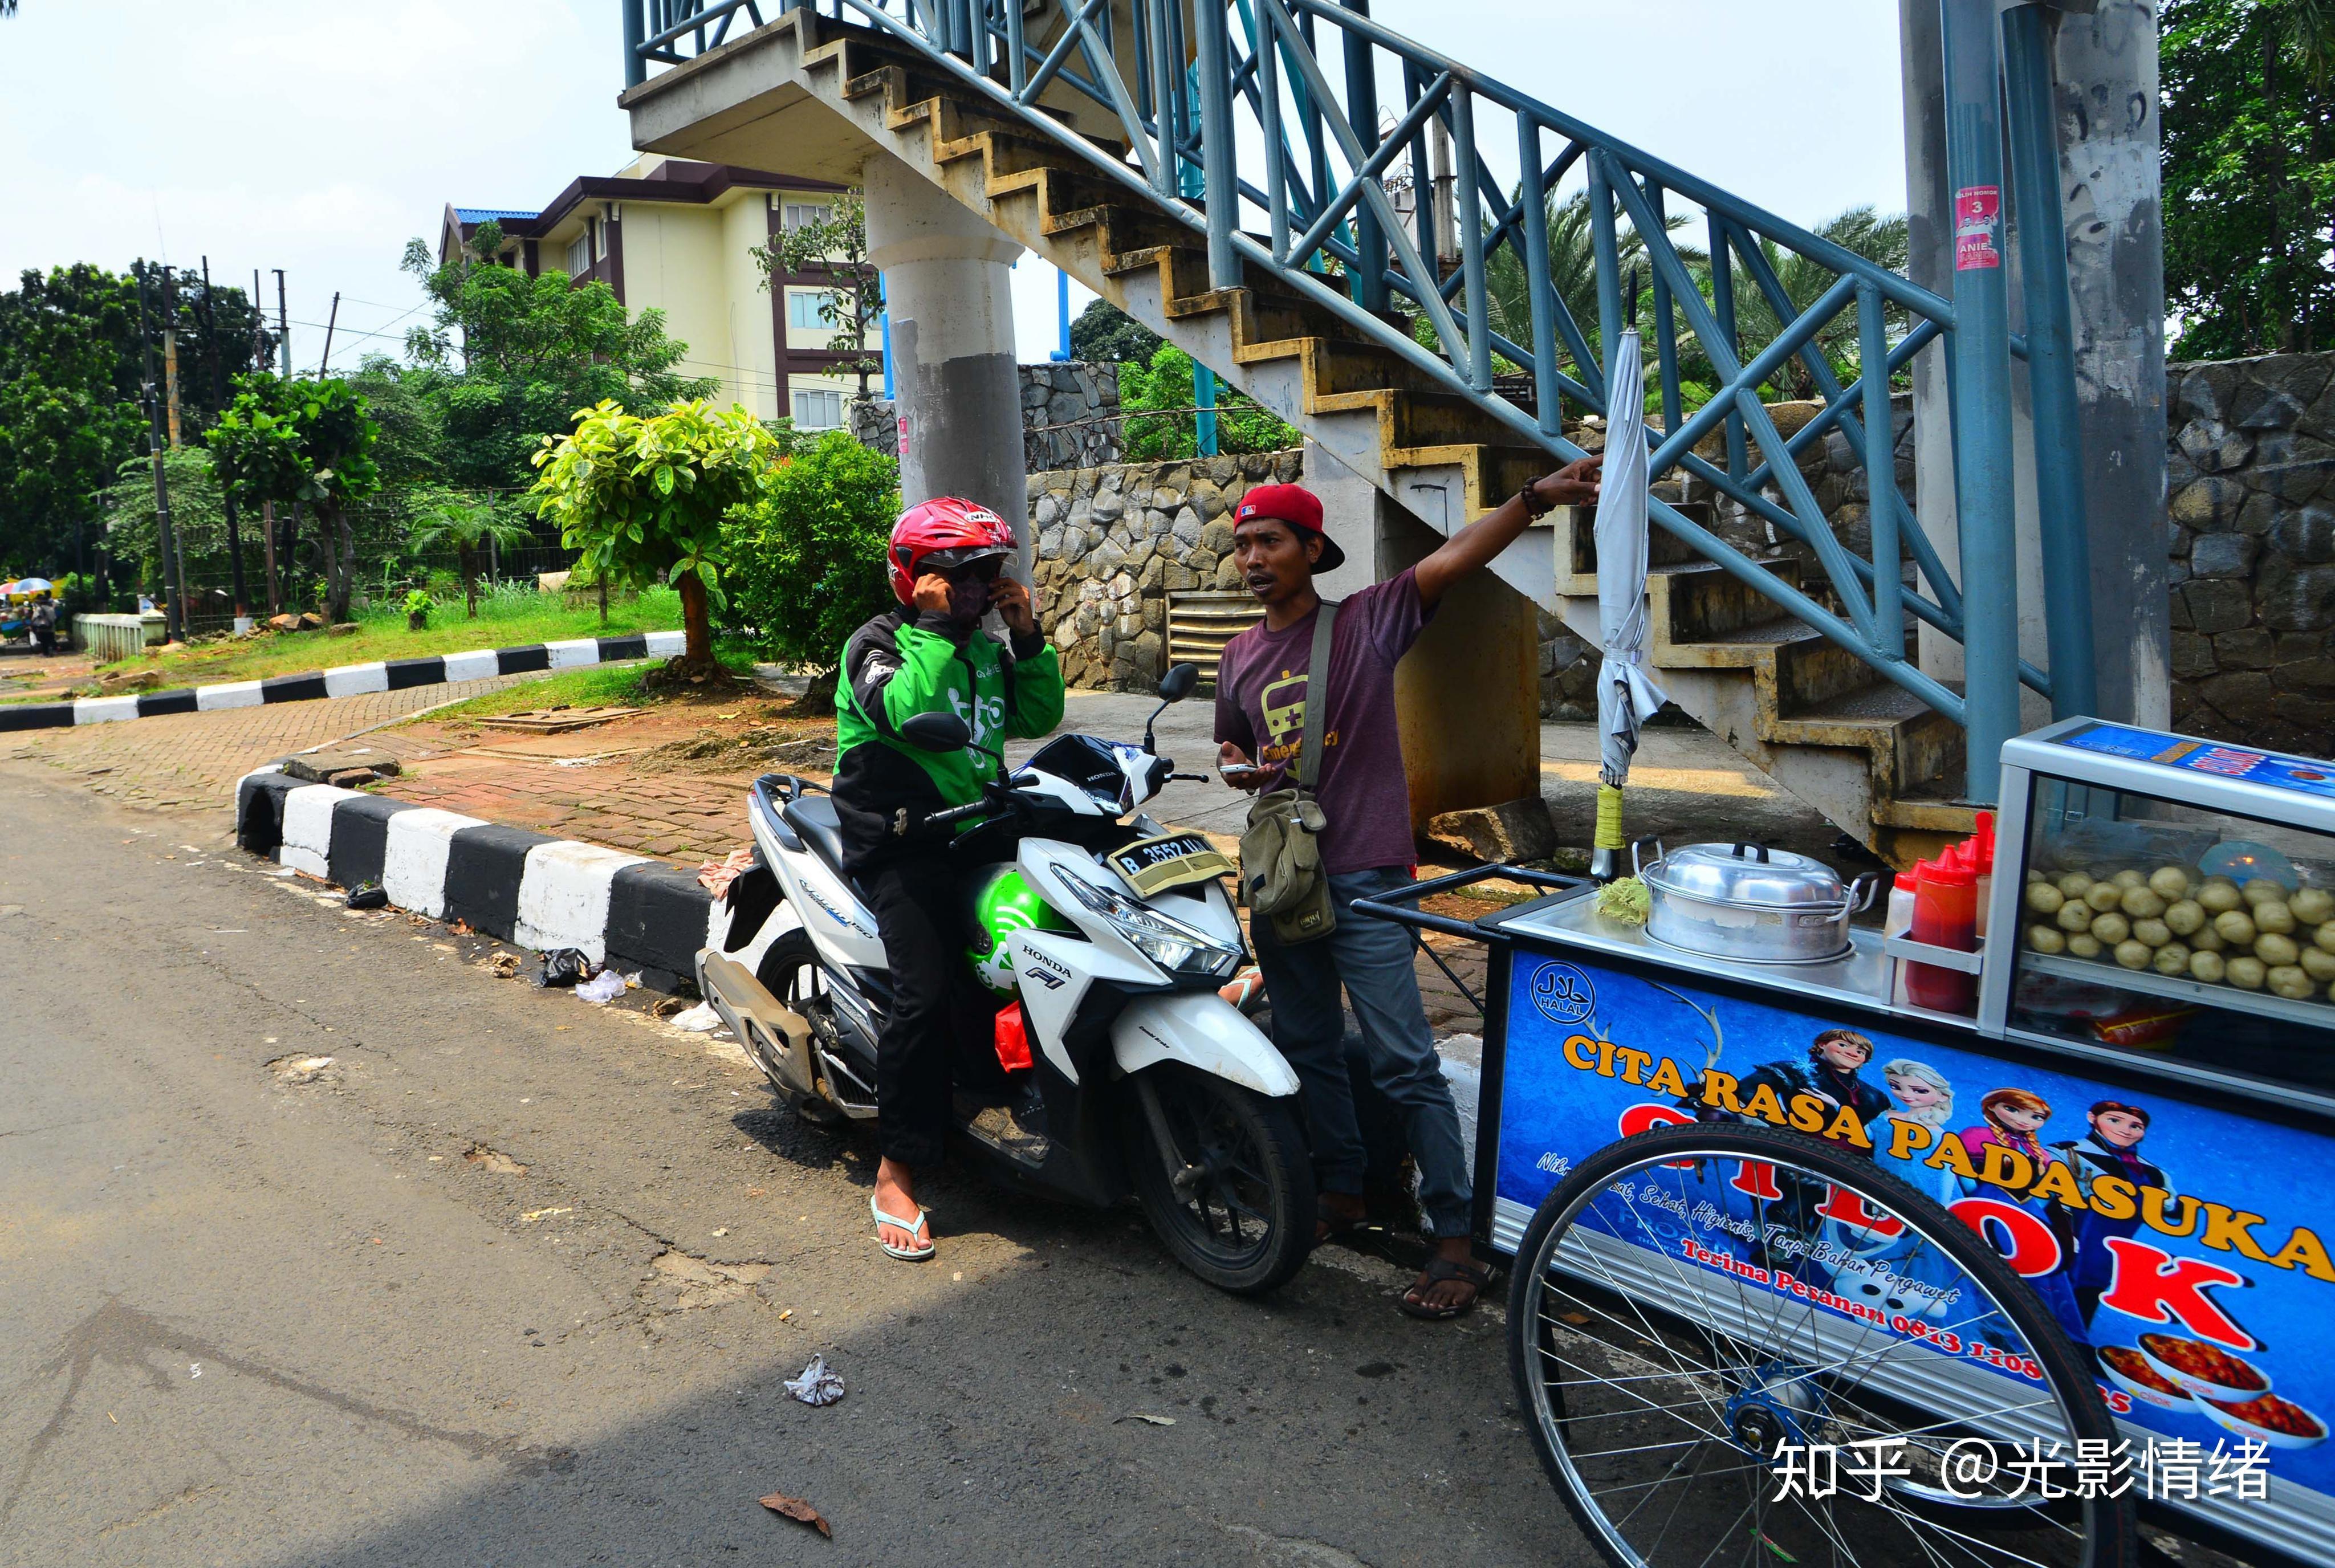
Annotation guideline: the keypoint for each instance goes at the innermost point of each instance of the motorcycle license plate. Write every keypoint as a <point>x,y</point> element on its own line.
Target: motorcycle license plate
<point>1174,860</point>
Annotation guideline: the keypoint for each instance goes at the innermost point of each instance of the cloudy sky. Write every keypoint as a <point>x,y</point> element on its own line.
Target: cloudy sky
<point>318,135</point>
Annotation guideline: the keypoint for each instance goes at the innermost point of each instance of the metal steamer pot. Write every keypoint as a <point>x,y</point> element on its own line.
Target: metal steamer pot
<point>1750,903</point>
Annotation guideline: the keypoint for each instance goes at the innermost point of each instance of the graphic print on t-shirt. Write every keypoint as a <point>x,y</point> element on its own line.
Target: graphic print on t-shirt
<point>1283,703</point>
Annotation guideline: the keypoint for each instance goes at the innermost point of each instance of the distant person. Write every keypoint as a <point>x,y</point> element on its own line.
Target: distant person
<point>44,627</point>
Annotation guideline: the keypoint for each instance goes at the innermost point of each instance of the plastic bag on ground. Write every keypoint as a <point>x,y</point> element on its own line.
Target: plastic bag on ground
<point>697,1020</point>
<point>564,966</point>
<point>816,1386</point>
<point>605,986</point>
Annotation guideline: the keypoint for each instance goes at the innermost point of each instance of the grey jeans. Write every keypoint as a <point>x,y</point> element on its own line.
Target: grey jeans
<point>1372,959</point>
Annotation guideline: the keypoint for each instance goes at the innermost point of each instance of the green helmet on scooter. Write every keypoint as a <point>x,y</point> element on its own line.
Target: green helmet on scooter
<point>1007,903</point>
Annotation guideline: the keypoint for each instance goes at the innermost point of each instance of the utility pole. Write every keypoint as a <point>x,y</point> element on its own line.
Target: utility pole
<point>284,355</point>
<point>266,507</point>
<point>282,327</point>
<point>173,618</point>
<point>330,321</point>
<point>226,492</point>
<point>170,351</point>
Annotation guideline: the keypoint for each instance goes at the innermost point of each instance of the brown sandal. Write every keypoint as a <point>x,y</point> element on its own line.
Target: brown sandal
<point>1475,1276</point>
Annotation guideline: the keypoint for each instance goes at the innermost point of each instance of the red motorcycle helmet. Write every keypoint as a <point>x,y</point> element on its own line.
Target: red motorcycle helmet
<point>940,536</point>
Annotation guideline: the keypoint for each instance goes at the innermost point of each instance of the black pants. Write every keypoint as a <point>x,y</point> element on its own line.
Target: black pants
<point>938,1008</point>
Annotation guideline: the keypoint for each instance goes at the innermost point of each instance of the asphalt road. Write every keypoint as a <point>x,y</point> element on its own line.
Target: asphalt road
<point>246,1319</point>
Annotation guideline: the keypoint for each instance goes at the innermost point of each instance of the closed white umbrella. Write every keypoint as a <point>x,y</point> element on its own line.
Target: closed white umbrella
<point>1626,694</point>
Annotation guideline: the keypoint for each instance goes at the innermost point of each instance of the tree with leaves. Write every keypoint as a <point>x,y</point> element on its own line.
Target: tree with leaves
<point>1159,421</point>
<point>309,442</point>
<point>468,528</point>
<point>805,559</point>
<point>643,497</point>
<point>2248,149</point>
<point>509,359</point>
<point>1103,333</point>
<point>70,370</point>
<point>834,247</point>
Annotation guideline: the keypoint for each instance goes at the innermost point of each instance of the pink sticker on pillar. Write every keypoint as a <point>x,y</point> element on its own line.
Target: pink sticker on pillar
<point>904,435</point>
<point>1978,217</point>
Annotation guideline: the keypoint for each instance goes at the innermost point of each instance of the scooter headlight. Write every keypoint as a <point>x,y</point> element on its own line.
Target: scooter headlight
<point>1174,946</point>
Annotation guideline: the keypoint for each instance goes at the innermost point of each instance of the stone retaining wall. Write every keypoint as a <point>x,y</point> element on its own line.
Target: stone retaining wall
<point>1070,417</point>
<point>1115,540</point>
<point>2251,480</point>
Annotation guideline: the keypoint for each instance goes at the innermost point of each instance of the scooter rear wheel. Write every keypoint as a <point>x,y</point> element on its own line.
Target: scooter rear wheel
<point>1242,1217</point>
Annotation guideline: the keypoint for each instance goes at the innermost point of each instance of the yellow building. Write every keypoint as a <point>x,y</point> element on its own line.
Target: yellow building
<point>671,235</point>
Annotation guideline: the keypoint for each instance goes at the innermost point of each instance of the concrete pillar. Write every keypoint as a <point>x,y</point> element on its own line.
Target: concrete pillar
<point>2106,68</point>
<point>1468,695</point>
<point>2110,185</point>
<point>950,305</point>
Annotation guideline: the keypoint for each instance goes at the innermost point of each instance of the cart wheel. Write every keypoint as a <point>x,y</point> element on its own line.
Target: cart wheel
<point>1704,1318</point>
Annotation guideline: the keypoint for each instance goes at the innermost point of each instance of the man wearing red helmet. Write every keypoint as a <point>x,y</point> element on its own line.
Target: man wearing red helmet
<point>1266,687</point>
<point>948,559</point>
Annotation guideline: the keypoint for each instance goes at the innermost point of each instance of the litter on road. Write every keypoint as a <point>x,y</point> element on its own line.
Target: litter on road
<point>816,1386</point>
<point>698,1019</point>
<point>604,987</point>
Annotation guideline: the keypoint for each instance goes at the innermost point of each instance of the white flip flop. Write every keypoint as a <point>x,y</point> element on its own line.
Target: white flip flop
<point>1246,989</point>
<point>915,1228</point>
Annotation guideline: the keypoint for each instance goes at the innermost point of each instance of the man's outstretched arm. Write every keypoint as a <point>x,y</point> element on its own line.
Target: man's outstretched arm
<point>1472,548</point>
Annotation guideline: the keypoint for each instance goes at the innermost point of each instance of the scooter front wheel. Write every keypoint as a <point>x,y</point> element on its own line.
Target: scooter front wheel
<point>1237,1206</point>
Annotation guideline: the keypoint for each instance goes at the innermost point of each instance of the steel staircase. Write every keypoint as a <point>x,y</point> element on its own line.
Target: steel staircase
<point>1798,655</point>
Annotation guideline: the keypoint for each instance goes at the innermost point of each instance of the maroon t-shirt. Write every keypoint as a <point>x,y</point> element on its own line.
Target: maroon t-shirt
<point>1262,690</point>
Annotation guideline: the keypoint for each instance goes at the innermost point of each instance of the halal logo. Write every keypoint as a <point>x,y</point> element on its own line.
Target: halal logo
<point>1562,995</point>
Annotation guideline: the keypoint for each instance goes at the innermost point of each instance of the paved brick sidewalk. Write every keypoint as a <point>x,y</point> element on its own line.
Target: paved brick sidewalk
<point>685,818</point>
<point>184,760</point>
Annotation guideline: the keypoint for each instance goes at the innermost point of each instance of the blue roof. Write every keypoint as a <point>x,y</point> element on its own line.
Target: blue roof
<point>481,214</point>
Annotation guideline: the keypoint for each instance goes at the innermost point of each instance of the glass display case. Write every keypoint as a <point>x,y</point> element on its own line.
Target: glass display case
<point>2168,897</point>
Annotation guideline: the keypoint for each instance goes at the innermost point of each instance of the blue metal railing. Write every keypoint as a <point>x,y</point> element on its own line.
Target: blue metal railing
<point>1196,87</point>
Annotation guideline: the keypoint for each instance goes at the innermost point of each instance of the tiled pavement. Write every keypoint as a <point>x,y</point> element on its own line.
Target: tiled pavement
<point>686,817</point>
<point>191,760</point>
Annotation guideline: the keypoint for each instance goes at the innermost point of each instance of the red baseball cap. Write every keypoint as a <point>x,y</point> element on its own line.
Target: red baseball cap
<point>1300,508</point>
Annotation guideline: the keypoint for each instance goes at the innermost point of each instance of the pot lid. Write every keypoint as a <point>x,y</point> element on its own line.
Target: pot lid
<point>1749,874</point>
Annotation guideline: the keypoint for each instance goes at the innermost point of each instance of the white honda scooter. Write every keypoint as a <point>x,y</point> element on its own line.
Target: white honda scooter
<point>1103,943</point>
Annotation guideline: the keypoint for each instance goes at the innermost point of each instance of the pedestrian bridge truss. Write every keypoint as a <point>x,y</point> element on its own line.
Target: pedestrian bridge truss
<point>1247,179</point>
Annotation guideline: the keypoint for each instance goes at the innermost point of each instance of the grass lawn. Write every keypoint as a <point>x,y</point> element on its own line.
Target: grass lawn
<point>607,686</point>
<point>504,620</point>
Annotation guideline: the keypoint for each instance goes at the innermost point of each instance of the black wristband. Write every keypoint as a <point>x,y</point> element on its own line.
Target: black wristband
<point>1534,508</point>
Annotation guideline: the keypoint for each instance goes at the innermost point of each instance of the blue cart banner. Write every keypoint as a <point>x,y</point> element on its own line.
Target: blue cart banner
<point>2177,1243</point>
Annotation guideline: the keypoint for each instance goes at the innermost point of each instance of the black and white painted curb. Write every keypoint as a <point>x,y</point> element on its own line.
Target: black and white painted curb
<point>626,911</point>
<point>350,679</point>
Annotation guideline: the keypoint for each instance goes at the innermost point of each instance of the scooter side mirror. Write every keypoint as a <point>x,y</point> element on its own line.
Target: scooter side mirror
<point>1174,687</point>
<point>935,732</point>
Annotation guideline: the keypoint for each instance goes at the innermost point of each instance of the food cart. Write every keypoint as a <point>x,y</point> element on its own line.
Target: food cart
<point>2006,1279</point>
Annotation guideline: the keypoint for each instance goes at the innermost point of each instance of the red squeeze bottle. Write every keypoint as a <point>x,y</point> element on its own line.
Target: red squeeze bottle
<point>1945,915</point>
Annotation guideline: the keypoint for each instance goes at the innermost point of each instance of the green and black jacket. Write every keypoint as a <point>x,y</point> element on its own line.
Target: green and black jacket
<point>904,662</point>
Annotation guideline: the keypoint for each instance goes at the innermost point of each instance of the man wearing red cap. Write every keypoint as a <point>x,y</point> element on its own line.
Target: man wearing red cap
<point>1266,687</point>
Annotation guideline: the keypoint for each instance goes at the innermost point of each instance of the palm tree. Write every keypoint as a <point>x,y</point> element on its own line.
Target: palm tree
<point>1862,231</point>
<point>468,528</point>
<point>1572,272</point>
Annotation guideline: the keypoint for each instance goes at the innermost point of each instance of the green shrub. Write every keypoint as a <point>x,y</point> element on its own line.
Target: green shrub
<point>1241,426</point>
<point>806,562</point>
